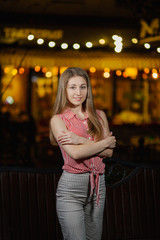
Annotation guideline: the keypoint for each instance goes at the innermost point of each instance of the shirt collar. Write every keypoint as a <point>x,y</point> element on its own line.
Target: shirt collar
<point>69,114</point>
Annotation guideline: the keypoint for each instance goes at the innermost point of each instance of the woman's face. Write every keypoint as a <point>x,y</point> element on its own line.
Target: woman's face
<point>76,90</point>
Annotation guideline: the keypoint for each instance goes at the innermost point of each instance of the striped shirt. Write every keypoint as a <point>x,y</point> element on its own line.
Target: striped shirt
<point>93,165</point>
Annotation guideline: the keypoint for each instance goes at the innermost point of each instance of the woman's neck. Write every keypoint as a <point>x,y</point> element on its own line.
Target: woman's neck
<point>78,111</point>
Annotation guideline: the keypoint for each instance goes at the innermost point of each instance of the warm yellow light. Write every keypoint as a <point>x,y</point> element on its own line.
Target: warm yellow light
<point>14,71</point>
<point>21,70</point>
<point>54,79</point>
<point>118,43</point>
<point>144,76</point>
<point>48,74</point>
<point>62,69</point>
<point>134,40</point>
<point>37,68</point>
<point>119,39</point>
<point>48,90</point>
<point>55,71</point>
<point>64,45</point>
<point>106,74</point>
<point>41,82</point>
<point>40,41</point>
<point>118,72</point>
<point>76,46</point>
<point>89,44</point>
<point>124,75</point>
<point>92,69</point>
<point>30,37</point>
<point>102,41</point>
<point>158,49</point>
<point>146,70</point>
<point>147,45</point>
<point>48,82</point>
<point>41,92</point>
<point>131,72</point>
<point>115,37</point>
<point>44,69</point>
<point>6,70</point>
<point>154,70</point>
<point>106,69</point>
<point>118,49</point>
<point>51,44</point>
<point>9,100</point>
<point>155,75</point>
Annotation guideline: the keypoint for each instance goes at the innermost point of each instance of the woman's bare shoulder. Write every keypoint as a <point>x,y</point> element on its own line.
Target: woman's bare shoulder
<point>56,119</point>
<point>101,113</point>
<point>57,125</point>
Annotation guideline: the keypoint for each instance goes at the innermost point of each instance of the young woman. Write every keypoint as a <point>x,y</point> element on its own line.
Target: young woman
<point>84,138</point>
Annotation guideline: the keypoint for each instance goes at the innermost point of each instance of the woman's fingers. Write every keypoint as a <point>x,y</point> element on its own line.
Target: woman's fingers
<point>65,138</point>
<point>64,141</point>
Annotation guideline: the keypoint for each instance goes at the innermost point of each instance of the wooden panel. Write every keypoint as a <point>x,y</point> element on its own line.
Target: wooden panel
<point>24,206</point>
<point>6,209</point>
<point>117,198</point>
<point>156,193</point>
<point>134,208</point>
<point>150,208</point>
<point>109,212</point>
<point>126,211</point>
<point>28,207</point>
<point>50,206</point>
<point>1,217</point>
<point>142,205</point>
<point>42,218</point>
<point>14,204</point>
<point>33,207</point>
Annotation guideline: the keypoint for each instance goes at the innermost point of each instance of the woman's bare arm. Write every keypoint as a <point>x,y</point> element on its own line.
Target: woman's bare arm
<point>80,151</point>
<point>68,137</point>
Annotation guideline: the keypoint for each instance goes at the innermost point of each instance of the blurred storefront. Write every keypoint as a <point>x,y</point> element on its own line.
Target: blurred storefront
<point>126,86</point>
<point>124,73</point>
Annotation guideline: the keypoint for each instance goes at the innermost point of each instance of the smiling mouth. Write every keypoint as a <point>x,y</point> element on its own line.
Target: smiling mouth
<point>77,99</point>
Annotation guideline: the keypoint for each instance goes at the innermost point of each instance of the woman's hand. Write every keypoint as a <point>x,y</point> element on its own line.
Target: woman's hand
<point>69,138</point>
<point>111,140</point>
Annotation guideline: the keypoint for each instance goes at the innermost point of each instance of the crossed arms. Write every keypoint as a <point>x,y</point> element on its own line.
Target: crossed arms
<point>78,147</point>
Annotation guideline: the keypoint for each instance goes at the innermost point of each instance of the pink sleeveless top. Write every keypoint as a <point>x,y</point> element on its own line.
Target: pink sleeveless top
<point>93,165</point>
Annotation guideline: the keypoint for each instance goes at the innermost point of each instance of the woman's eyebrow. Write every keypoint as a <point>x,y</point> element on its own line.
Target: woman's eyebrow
<point>73,84</point>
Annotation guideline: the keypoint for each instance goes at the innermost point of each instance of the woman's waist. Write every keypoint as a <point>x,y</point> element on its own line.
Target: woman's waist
<point>84,169</point>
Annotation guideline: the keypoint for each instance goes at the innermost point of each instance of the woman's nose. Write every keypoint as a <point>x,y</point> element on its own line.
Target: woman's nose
<point>78,91</point>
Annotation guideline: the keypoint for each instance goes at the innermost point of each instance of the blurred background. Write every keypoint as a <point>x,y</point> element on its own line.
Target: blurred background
<point>117,42</point>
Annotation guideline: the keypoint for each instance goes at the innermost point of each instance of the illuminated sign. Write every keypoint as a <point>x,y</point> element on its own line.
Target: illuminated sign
<point>22,33</point>
<point>150,33</point>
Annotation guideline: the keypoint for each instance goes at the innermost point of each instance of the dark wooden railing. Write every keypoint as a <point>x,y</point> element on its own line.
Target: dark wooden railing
<point>27,205</point>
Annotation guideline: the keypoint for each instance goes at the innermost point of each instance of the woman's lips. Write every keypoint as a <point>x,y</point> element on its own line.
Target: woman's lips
<point>77,99</point>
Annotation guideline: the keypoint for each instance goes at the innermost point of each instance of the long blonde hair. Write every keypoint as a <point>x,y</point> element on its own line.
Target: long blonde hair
<point>61,103</point>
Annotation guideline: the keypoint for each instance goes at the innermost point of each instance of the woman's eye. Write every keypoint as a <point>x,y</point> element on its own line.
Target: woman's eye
<point>83,87</point>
